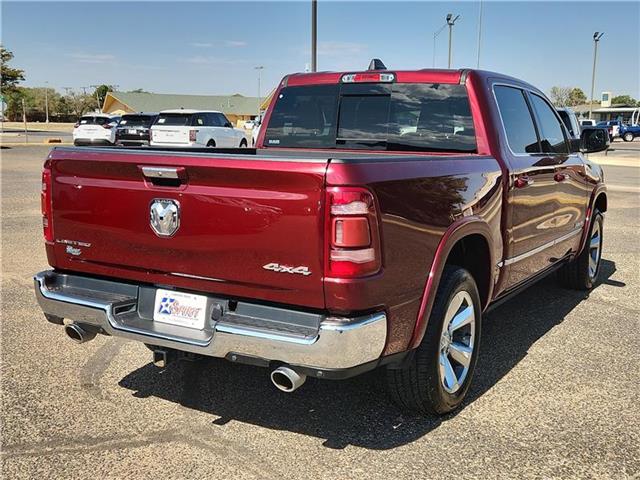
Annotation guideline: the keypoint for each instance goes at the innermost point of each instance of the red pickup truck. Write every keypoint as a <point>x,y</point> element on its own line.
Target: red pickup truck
<point>380,215</point>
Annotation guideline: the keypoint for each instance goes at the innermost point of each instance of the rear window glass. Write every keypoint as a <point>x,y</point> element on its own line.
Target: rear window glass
<point>412,117</point>
<point>174,119</point>
<point>95,120</point>
<point>137,120</point>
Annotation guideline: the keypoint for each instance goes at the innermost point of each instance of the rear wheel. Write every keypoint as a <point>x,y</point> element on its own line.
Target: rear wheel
<point>582,272</point>
<point>211,143</point>
<point>439,375</point>
<point>243,143</point>
<point>628,137</point>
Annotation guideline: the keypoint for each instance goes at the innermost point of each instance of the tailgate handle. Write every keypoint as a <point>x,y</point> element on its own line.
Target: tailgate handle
<point>165,176</point>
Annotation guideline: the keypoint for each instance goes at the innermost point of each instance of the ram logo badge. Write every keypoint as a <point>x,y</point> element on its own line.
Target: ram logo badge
<point>276,267</point>
<point>164,217</point>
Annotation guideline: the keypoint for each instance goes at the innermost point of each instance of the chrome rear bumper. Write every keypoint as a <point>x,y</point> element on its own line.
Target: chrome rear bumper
<point>249,330</point>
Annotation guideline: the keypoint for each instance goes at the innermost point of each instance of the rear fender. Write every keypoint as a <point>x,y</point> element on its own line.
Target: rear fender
<point>462,228</point>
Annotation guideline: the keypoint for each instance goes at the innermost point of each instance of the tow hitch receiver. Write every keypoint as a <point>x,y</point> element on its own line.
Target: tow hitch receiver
<point>162,358</point>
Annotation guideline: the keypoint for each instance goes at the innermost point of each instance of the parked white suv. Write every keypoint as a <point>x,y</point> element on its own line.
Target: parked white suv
<point>95,128</point>
<point>195,128</point>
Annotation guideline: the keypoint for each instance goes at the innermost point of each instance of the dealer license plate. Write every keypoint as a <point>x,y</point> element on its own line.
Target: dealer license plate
<point>179,308</point>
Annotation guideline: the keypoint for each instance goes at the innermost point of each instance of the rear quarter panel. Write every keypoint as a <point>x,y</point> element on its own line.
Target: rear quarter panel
<point>420,199</point>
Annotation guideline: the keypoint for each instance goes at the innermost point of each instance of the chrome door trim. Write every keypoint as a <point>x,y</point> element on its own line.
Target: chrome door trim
<point>522,256</point>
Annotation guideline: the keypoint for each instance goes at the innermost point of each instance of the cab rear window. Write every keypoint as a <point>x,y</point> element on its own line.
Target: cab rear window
<point>411,117</point>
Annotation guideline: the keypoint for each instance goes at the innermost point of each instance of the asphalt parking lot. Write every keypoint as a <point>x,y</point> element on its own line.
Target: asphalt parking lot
<point>555,395</point>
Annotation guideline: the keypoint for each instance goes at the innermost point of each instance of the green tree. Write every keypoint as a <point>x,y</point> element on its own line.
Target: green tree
<point>624,100</point>
<point>577,97</point>
<point>9,77</point>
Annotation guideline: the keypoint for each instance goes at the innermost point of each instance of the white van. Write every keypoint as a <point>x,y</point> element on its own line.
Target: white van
<point>195,128</point>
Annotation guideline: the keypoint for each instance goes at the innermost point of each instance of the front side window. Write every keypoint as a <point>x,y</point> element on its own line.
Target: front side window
<point>405,117</point>
<point>551,137</point>
<point>517,120</point>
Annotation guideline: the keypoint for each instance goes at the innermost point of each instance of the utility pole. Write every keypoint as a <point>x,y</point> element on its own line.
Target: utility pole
<point>596,38</point>
<point>435,35</point>
<point>450,22</point>
<point>24,120</point>
<point>46,102</point>
<point>314,35</point>
<point>259,68</point>
<point>95,87</point>
<point>479,34</point>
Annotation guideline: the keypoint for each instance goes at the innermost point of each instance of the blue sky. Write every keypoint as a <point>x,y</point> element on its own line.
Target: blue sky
<point>213,47</point>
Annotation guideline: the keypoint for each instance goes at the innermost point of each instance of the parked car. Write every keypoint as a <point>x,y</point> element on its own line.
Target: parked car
<point>134,128</point>
<point>195,128</point>
<point>255,132</point>
<point>380,215</point>
<point>570,120</point>
<point>613,126</point>
<point>95,129</point>
<point>249,124</point>
<point>629,132</point>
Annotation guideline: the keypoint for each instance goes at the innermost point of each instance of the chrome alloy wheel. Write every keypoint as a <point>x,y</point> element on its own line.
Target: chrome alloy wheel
<point>595,245</point>
<point>457,342</point>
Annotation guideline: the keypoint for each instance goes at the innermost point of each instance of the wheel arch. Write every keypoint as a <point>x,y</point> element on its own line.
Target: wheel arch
<point>459,246</point>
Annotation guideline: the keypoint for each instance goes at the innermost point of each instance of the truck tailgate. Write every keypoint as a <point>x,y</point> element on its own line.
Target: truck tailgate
<point>237,214</point>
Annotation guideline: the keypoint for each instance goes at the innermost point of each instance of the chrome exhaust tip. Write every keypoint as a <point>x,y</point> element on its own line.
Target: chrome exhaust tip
<point>78,334</point>
<point>287,379</point>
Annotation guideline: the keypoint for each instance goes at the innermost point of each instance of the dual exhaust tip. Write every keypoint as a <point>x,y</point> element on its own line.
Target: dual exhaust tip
<point>284,378</point>
<point>79,334</point>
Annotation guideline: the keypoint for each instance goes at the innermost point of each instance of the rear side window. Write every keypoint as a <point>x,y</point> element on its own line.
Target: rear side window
<point>551,137</point>
<point>174,119</point>
<point>411,117</point>
<point>517,120</point>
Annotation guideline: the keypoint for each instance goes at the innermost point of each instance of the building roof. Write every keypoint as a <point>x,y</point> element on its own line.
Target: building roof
<point>599,109</point>
<point>141,101</point>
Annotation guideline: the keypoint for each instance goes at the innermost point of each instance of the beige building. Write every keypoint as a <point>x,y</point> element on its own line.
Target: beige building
<point>237,108</point>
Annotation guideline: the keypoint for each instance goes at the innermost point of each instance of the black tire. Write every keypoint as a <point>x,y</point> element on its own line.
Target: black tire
<point>418,387</point>
<point>243,143</point>
<point>211,143</point>
<point>578,274</point>
<point>628,137</point>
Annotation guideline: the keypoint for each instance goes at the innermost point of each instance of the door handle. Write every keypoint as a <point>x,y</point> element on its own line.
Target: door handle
<point>523,181</point>
<point>560,177</point>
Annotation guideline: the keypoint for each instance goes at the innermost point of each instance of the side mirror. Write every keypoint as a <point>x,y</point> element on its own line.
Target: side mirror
<point>594,140</point>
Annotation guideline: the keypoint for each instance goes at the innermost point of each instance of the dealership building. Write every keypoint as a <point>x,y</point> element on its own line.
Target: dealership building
<point>237,108</point>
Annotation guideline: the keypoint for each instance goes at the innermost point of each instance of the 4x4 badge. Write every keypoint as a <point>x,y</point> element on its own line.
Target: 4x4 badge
<point>276,267</point>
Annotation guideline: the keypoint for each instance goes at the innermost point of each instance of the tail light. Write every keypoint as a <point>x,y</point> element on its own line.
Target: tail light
<point>368,77</point>
<point>108,126</point>
<point>353,244</point>
<point>45,202</point>
<point>76,125</point>
<point>192,135</point>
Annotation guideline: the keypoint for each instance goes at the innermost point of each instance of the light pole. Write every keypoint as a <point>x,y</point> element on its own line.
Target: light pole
<point>479,34</point>
<point>435,35</point>
<point>596,38</point>
<point>450,22</point>
<point>314,35</point>
<point>46,102</point>
<point>259,68</point>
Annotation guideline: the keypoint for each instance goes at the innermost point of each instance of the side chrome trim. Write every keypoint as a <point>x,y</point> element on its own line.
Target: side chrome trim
<point>522,256</point>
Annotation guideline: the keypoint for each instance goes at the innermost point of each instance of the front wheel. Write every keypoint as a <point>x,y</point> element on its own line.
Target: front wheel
<point>582,272</point>
<point>438,377</point>
<point>628,137</point>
